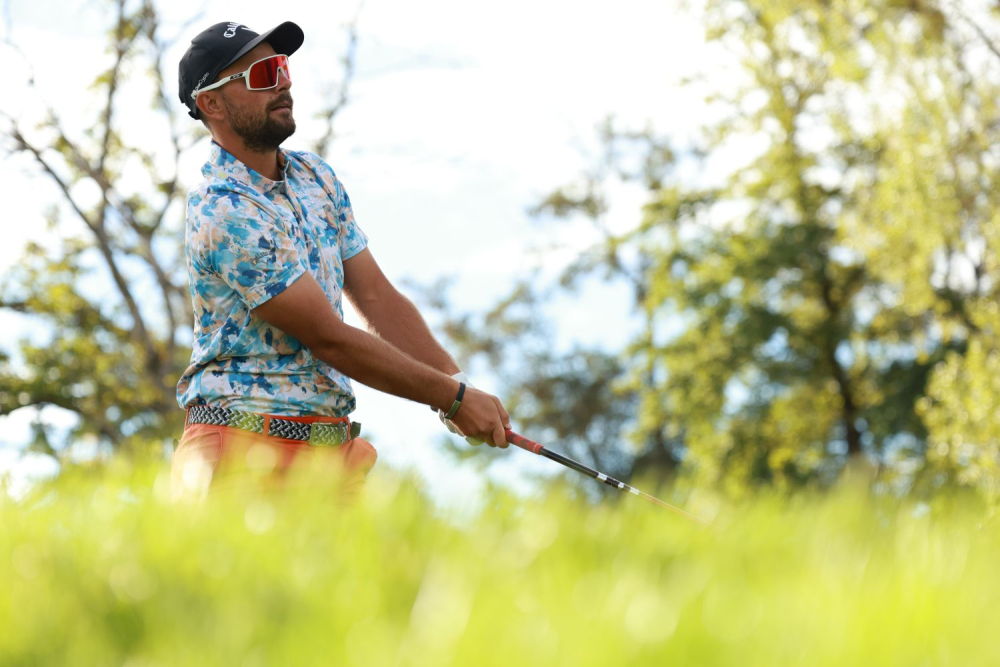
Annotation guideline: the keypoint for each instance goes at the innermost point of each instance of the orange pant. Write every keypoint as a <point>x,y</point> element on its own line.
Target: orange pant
<point>208,454</point>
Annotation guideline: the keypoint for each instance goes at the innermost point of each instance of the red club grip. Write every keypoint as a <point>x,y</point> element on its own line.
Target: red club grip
<point>522,442</point>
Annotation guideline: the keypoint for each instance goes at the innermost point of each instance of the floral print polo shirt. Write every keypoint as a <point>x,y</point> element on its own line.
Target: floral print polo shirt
<point>247,239</point>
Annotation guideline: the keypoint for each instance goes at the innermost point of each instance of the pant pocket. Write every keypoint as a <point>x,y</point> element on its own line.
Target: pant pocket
<point>194,461</point>
<point>359,455</point>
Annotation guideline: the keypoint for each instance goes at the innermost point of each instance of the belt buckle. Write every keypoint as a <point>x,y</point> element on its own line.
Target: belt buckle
<point>328,435</point>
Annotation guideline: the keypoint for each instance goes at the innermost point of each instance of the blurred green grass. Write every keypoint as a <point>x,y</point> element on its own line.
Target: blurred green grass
<point>100,568</point>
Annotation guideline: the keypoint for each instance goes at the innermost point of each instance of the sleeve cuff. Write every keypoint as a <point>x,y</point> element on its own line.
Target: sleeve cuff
<point>261,294</point>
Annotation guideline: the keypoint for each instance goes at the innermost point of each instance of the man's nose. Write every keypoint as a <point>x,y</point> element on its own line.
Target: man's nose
<point>284,83</point>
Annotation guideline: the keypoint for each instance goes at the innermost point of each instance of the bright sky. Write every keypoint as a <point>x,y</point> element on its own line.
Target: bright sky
<point>461,116</point>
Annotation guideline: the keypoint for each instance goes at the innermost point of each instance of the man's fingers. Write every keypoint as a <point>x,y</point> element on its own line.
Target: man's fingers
<point>483,417</point>
<point>499,437</point>
<point>504,417</point>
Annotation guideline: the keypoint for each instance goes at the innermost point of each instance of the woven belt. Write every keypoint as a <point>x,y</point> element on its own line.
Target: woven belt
<point>317,433</point>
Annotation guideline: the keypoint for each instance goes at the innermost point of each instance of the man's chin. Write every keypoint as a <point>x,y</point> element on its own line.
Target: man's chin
<point>282,128</point>
<point>269,140</point>
<point>287,124</point>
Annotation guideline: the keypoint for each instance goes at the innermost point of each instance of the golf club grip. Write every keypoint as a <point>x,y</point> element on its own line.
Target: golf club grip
<point>522,442</point>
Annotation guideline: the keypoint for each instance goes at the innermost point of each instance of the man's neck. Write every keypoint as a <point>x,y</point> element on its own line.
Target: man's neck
<point>266,164</point>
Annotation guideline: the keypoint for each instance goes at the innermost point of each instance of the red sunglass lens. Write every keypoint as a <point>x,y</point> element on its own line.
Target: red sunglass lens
<point>264,74</point>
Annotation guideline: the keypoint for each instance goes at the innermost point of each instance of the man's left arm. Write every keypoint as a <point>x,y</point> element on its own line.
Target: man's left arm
<point>390,315</point>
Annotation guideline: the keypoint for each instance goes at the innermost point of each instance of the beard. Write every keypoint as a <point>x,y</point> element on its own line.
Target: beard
<point>261,132</point>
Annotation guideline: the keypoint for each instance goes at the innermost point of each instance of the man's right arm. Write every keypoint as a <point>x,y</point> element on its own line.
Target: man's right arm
<point>303,311</point>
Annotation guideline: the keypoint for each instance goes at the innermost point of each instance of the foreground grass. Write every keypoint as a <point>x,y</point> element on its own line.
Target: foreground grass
<point>101,569</point>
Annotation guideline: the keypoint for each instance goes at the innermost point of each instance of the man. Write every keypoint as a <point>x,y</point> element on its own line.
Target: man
<point>271,245</point>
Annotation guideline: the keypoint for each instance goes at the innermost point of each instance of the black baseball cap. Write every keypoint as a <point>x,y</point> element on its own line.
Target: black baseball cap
<point>218,47</point>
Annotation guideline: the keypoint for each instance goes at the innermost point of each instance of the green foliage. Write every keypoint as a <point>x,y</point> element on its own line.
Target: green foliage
<point>819,298</point>
<point>960,408</point>
<point>99,567</point>
<point>92,364</point>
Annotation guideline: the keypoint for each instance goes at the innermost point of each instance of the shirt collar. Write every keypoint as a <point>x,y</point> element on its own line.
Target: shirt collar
<point>224,165</point>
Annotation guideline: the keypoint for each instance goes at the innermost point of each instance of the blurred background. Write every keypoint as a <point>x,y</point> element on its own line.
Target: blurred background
<point>713,245</point>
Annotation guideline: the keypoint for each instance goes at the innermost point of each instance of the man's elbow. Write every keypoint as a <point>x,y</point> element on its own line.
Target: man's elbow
<point>378,308</point>
<point>372,300</point>
<point>328,340</point>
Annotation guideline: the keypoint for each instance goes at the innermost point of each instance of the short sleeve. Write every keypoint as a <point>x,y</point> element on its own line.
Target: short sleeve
<point>352,239</point>
<point>246,245</point>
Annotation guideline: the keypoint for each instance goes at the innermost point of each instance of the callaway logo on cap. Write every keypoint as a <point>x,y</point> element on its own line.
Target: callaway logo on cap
<point>232,28</point>
<point>219,46</point>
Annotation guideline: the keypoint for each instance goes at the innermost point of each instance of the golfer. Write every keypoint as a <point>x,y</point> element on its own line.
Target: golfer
<point>272,245</point>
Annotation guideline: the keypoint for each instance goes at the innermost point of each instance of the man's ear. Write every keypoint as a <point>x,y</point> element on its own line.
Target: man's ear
<point>210,106</point>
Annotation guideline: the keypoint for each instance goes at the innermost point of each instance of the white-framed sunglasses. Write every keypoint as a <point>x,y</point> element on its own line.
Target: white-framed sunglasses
<point>261,75</point>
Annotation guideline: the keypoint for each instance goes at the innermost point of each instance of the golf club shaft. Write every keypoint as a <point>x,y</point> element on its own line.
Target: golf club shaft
<point>535,448</point>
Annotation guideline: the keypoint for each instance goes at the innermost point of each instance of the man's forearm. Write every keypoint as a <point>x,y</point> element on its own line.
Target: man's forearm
<point>396,320</point>
<point>373,362</point>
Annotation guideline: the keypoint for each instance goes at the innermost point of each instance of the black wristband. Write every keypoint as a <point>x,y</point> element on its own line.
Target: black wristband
<point>458,401</point>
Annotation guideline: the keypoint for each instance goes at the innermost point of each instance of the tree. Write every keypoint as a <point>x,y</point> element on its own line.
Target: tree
<point>795,302</point>
<point>963,443</point>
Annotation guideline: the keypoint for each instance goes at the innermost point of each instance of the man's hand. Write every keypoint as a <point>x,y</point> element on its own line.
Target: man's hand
<point>482,417</point>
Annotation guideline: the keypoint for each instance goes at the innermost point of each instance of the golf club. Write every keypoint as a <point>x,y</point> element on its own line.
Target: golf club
<point>535,448</point>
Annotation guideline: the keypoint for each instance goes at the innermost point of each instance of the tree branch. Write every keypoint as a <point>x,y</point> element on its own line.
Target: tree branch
<point>112,198</point>
<point>122,46</point>
<point>329,115</point>
<point>955,5</point>
<point>16,306</point>
<point>104,245</point>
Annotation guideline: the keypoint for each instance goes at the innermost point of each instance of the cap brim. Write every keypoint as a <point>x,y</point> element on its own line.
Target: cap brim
<point>285,38</point>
